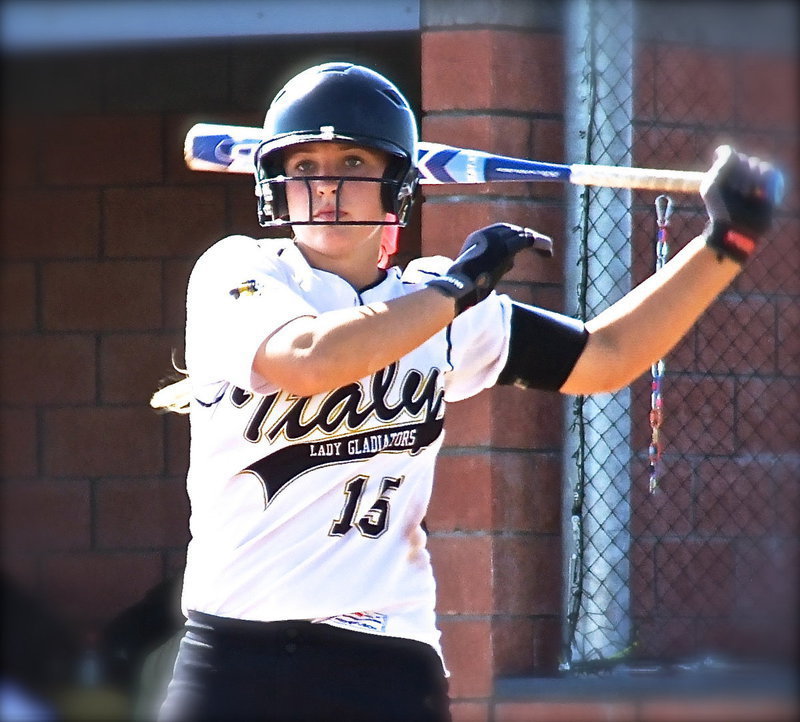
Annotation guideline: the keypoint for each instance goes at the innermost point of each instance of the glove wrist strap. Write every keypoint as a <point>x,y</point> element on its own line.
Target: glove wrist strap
<point>728,242</point>
<point>455,287</point>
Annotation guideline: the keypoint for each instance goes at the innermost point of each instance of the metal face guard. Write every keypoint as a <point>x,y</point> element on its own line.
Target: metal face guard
<point>270,190</point>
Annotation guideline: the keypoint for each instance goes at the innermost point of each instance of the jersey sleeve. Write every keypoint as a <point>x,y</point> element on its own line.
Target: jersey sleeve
<point>478,347</point>
<point>478,339</point>
<point>238,295</point>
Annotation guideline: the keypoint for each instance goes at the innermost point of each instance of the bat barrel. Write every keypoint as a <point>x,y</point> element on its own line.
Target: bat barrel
<point>678,181</point>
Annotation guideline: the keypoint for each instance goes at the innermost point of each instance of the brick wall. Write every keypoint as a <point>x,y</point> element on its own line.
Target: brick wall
<point>725,527</point>
<point>101,224</point>
<point>495,517</point>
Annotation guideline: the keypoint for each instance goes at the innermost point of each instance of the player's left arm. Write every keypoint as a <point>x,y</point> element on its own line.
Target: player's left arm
<point>740,193</point>
<point>553,352</point>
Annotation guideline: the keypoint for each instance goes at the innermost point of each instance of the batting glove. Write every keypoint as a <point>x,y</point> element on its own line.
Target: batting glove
<point>740,193</point>
<point>487,254</point>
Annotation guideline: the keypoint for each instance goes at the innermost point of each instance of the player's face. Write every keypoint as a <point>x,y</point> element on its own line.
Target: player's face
<point>335,198</point>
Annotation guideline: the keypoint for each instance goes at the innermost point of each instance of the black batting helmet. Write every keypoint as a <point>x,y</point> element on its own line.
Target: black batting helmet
<point>341,102</point>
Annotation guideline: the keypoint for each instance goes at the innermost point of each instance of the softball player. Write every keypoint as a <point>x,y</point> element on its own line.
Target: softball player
<point>319,381</point>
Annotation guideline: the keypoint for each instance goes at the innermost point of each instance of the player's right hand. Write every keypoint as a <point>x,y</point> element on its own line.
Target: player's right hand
<point>740,193</point>
<point>487,254</point>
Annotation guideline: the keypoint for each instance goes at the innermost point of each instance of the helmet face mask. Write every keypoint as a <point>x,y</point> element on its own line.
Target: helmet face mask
<point>344,103</point>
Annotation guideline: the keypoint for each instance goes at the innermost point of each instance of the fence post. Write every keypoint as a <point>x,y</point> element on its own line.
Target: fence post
<point>599,64</point>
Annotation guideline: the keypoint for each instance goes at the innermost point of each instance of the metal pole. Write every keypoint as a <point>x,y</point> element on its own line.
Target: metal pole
<point>599,64</point>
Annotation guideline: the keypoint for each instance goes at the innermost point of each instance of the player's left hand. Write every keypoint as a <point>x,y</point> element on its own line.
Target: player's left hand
<point>487,254</point>
<point>740,193</point>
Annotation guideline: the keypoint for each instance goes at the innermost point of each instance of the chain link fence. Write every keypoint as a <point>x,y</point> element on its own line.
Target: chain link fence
<point>683,500</point>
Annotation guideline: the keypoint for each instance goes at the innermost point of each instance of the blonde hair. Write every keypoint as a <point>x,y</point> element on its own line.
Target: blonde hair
<point>176,396</point>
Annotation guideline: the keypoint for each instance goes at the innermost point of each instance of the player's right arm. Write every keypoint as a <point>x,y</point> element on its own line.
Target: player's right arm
<point>312,354</point>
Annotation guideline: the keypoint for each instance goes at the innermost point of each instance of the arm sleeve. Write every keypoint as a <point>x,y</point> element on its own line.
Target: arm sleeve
<point>224,330</point>
<point>543,348</point>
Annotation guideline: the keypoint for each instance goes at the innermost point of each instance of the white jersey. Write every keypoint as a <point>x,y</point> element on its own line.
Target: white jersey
<point>311,508</point>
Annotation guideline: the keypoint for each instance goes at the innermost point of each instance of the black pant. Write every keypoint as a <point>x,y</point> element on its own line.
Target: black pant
<point>301,672</point>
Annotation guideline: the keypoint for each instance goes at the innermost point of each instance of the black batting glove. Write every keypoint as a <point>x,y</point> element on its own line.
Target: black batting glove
<point>487,254</point>
<point>740,193</point>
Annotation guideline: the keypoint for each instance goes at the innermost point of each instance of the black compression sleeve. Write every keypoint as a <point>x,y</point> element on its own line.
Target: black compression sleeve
<point>544,348</point>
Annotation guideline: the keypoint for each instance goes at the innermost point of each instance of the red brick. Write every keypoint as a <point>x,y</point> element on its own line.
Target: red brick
<point>18,442</point>
<point>642,578</point>
<point>21,568</point>
<point>170,76</point>
<point>701,416</point>
<point>768,91</point>
<point>668,510</point>
<point>548,146</point>
<point>491,69</point>
<point>456,69</point>
<point>525,646</point>
<point>526,419</point>
<point>133,365</point>
<point>177,440</point>
<point>734,498</point>
<point>768,419</point>
<point>669,148</point>
<point>19,136</point>
<point>18,297</point>
<point>767,571</point>
<point>49,368</point>
<point>52,224</point>
<point>446,224</point>
<point>91,589</point>
<point>462,494</point>
<point>503,135</point>
<point>156,222</point>
<point>241,205</point>
<point>775,266</point>
<point>175,281</point>
<point>530,266</point>
<point>667,637</point>
<point>527,575</point>
<point>141,513</point>
<point>40,515</point>
<point>463,566</point>
<point>97,441</point>
<point>788,343</point>
<point>527,492</point>
<point>469,422</point>
<point>512,642</point>
<point>695,577</point>
<point>784,473</point>
<point>103,150</point>
<point>525,65</point>
<point>535,294</point>
<point>175,562</point>
<point>102,296</point>
<point>723,348</point>
<point>694,85</point>
<point>468,655</point>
